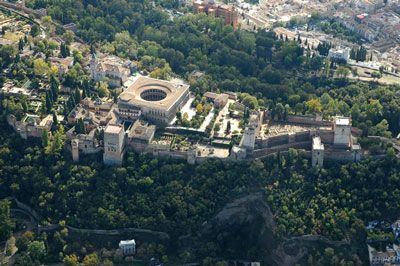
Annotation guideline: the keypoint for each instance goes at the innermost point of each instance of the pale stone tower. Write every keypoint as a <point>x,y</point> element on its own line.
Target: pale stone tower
<point>75,150</point>
<point>93,65</point>
<point>191,155</point>
<point>317,152</point>
<point>342,131</point>
<point>238,153</point>
<point>249,139</point>
<point>114,140</point>
<point>356,149</point>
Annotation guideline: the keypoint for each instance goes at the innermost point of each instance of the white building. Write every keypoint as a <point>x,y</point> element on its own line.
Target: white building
<point>339,54</point>
<point>111,68</point>
<point>342,131</point>
<point>317,152</point>
<point>128,247</point>
<point>114,140</point>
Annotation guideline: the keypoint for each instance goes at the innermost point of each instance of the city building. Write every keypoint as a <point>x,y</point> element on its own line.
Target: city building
<point>63,64</point>
<point>10,90</point>
<point>112,69</point>
<point>128,247</point>
<point>156,100</point>
<point>360,17</point>
<point>90,119</point>
<point>342,54</point>
<point>227,12</point>
<point>219,100</point>
<point>97,105</point>
<point>390,256</point>
<point>114,142</point>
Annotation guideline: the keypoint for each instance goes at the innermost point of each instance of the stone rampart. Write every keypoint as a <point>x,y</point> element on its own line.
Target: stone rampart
<point>260,153</point>
<point>334,155</point>
<point>273,141</point>
<point>98,236</point>
<point>18,7</point>
<point>171,154</point>
<point>326,136</point>
<point>308,120</point>
<point>270,142</point>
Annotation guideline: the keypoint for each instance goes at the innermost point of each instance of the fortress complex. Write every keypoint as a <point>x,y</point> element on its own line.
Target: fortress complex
<point>157,101</point>
<point>322,139</point>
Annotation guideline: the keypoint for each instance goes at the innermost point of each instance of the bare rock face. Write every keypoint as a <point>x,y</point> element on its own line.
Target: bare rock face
<point>243,229</point>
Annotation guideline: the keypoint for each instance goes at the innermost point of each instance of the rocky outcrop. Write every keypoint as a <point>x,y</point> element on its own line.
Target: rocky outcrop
<point>243,228</point>
<point>291,250</point>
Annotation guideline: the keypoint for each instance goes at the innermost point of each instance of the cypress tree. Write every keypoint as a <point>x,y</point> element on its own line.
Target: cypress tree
<point>21,44</point>
<point>298,38</point>
<point>55,119</point>
<point>49,103</point>
<point>45,138</point>
<point>66,109</point>
<point>84,94</point>
<point>77,96</point>
<point>54,86</point>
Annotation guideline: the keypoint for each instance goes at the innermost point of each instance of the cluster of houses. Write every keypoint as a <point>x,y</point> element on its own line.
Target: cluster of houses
<point>376,21</point>
<point>390,255</point>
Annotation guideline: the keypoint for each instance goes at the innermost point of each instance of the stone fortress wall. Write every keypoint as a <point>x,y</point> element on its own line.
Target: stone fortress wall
<point>327,135</point>
<point>95,235</point>
<point>32,126</point>
<point>298,137</point>
<point>308,120</point>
